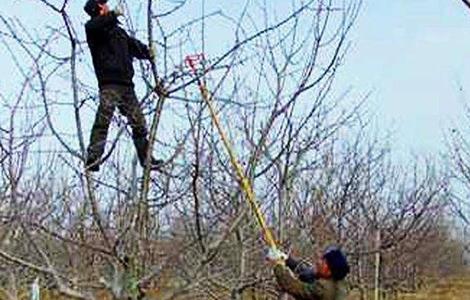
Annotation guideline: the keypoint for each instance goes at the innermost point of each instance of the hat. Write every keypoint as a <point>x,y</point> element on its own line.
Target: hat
<point>337,262</point>
<point>92,8</point>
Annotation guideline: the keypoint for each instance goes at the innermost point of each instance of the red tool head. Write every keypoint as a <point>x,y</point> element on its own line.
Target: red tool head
<point>193,60</point>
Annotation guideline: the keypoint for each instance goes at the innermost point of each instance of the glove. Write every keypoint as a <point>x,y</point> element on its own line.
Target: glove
<point>276,255</point>
<point>118,10</point>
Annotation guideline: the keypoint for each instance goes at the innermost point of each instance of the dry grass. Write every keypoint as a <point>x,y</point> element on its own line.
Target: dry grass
<point>457,288</point>
<point>450,289</point>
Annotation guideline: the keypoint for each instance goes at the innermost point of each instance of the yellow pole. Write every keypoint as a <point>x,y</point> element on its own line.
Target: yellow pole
<point>244,182</point>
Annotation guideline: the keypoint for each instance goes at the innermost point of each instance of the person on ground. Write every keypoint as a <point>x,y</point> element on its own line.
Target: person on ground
<point>325,281</point>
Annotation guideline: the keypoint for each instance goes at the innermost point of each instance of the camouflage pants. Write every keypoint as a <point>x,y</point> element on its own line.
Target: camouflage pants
<point>124,98</point>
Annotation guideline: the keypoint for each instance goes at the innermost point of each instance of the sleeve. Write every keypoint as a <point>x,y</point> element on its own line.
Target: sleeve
<point>138,49</point>
<point>304,272</point>
<point>295,287</point>
<point>101,23</point>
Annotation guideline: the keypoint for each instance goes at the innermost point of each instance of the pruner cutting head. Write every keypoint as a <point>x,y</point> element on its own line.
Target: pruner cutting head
<point>192,61</point>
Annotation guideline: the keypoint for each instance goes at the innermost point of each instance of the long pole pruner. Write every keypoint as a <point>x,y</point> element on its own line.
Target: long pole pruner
<point>192,61</point>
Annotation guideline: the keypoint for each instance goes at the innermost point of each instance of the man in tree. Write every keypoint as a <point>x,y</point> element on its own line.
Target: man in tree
<point>303,282</point>
<point>112,51</point>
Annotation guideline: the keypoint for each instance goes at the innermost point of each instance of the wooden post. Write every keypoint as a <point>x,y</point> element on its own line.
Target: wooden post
<point>377,266</point>
<point>35,292</point>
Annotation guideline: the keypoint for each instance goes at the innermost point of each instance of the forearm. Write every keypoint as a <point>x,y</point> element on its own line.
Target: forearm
<point>290,284</point>
<point>292,263</point>
<point>305,272</point>
<point>138,49</point>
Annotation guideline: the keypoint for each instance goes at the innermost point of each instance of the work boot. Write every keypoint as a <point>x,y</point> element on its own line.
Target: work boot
<point>155,164</point>
<point>92,164</point>
<point>142,145</point>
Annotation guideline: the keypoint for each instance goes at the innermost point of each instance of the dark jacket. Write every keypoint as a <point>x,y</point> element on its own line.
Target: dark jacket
<point>304,272</point>
<point>298,280</point>
<point>112,50</point>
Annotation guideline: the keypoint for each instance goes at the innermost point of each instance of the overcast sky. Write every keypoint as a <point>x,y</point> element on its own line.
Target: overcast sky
<point>411,55</point>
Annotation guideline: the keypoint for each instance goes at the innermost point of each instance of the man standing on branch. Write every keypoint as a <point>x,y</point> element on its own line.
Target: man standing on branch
<point>325,281</point>
<point>112,51</point>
